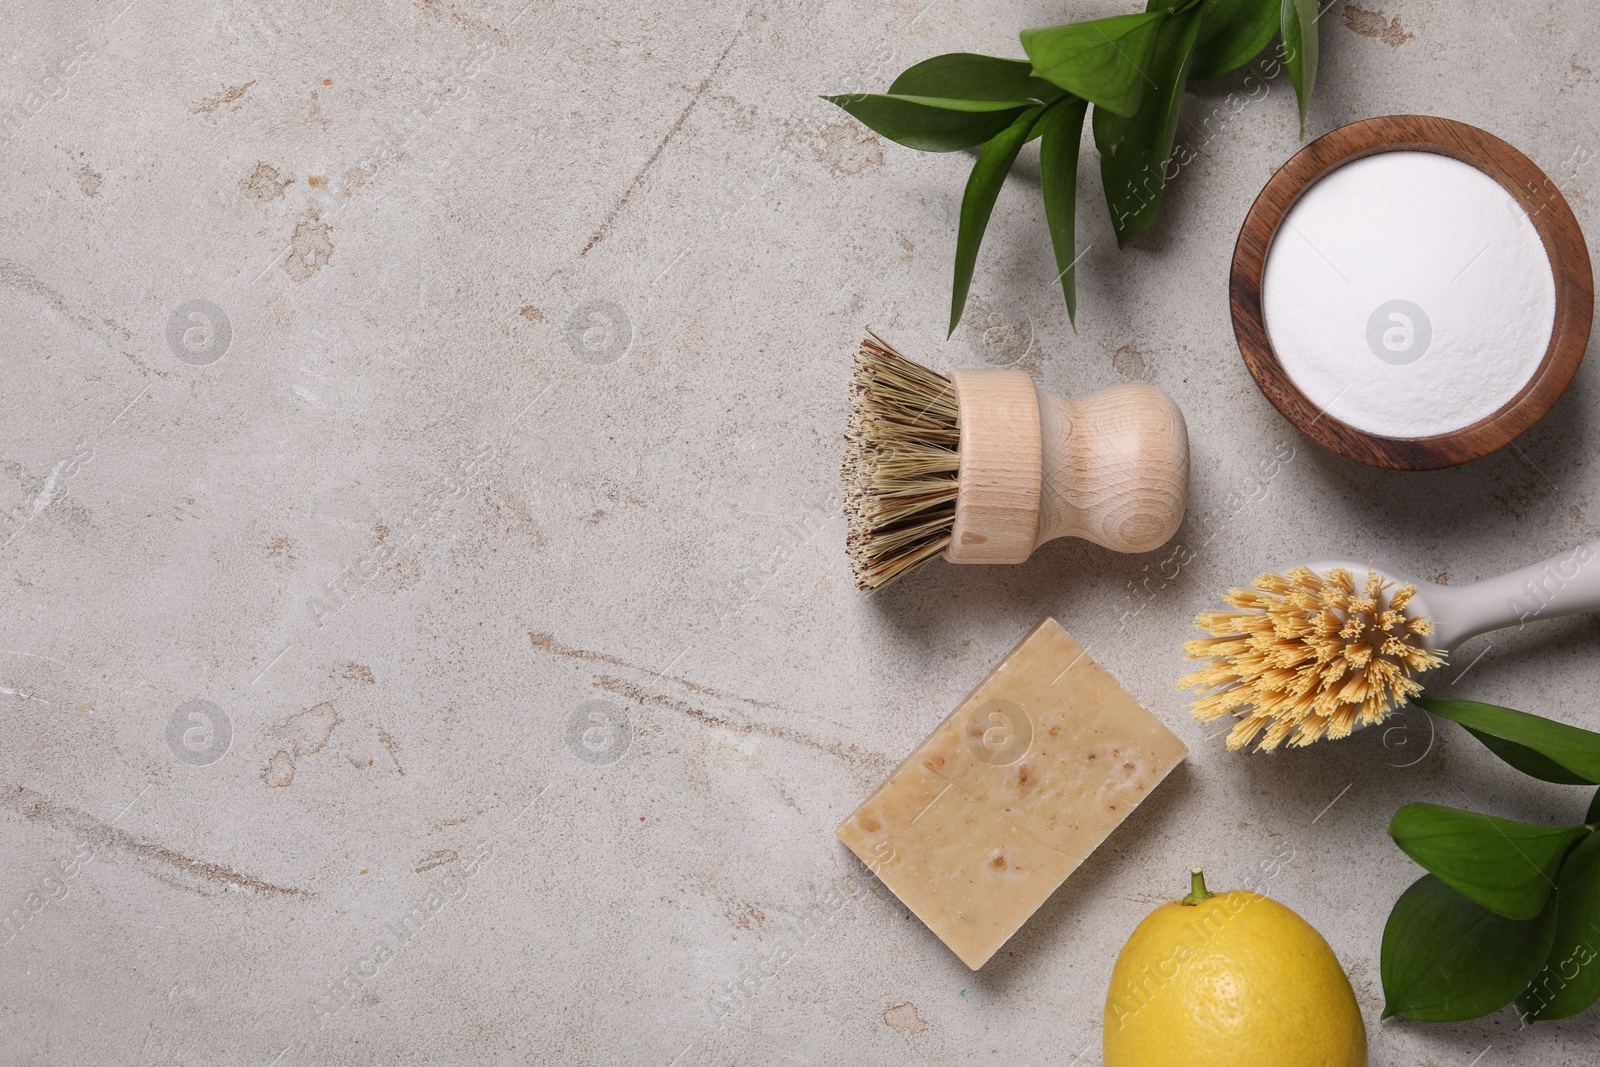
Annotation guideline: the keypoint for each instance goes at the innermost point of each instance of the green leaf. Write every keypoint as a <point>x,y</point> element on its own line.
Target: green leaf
<point>1062,129</point>
<point>966,76</point>
<point>1593,815</point>
<point>1102,60</point>
<point>977,203</point>
<point>1232,33</point>
<point>1135,151</point>
<point>1298,23</point>
<point>1446,959</point>
<point>1547,750</point>
<point>1528,761</point>
<point>931,124</point>
<point>1508,867</point>
<point>1570,979</point>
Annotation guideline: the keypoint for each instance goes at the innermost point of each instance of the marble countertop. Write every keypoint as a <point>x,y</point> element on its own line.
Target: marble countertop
<point>426,632</point>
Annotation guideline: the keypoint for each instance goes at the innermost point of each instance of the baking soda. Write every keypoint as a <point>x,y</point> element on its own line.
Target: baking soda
<point>1408,294</point>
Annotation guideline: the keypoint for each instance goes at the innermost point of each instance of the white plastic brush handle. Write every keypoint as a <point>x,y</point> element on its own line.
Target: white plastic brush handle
<point>1566,584</point>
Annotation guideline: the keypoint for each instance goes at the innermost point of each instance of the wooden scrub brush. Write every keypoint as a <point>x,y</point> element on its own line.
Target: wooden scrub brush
<point>983,467</point>
<point>1331,647</point>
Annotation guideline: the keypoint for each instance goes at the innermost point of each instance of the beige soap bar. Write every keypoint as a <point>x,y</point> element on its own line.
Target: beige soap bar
<point>1041,762</point>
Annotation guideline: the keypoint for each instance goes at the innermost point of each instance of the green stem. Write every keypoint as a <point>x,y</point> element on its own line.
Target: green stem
<point>1197,888</point>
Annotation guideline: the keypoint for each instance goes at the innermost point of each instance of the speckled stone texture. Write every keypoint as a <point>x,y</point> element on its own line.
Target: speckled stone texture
<point>426,635</point>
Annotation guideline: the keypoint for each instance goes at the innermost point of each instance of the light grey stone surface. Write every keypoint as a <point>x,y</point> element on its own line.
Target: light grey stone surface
<point>531,397</point>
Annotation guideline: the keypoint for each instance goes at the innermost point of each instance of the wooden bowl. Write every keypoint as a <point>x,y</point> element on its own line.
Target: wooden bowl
<point>1557,229</point>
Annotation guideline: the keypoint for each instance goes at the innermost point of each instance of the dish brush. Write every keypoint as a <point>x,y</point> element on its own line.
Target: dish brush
<point>983,467</point>
<point>1332,647</point>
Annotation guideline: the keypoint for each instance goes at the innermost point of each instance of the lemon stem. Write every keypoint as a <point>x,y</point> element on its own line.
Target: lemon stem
<point>1197,888</point>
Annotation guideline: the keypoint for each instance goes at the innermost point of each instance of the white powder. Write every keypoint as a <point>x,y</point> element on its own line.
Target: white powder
<point>1407,294</point>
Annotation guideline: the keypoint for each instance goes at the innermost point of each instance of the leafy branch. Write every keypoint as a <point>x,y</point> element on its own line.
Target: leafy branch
<point>1131,68</point>
<point>1508,911</point>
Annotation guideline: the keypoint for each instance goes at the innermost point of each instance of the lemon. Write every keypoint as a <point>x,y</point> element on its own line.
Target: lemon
<point>1230,980</point>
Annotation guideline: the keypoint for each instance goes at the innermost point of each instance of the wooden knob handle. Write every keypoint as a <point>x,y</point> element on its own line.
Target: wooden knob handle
<point>1111,467</point>
<point>1115,468</point>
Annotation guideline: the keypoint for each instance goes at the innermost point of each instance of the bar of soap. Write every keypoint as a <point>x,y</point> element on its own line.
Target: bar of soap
<point>1041,762</point>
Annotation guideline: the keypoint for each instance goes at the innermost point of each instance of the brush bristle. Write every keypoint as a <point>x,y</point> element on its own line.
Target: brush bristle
<point>900,464</point>
<point>1305,656</point>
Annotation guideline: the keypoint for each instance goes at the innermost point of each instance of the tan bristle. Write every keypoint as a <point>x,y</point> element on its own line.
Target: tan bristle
<point>900,464</point>
<point>1305,657</point>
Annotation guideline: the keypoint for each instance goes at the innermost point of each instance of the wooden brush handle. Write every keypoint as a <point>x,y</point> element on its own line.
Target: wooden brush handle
<point>1111,467</point>
<point>1116,467</point>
